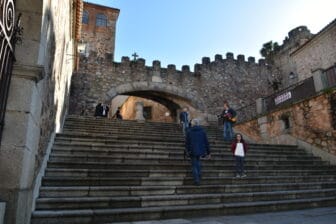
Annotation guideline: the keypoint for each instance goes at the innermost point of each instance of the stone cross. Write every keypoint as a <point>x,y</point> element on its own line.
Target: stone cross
<point>135,56</point>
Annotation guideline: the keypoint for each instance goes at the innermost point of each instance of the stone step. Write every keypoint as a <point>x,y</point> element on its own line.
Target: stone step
<point>171,200</point>
<point>98,120</point>
<point>135,129</point>
<point>163,146</point>
<point>129,159</point>
<point>149,154</point>
<point>178,139</point>
<point>139,152</point>
<point>120,127</point>
<point>107,171</point>
<point>177,181</point>
<point>59,172</point>
<point>184,165</point>
<point>99,216</point>
<point>101,191</point>
<point>166,166</point>
<point>114,132</point>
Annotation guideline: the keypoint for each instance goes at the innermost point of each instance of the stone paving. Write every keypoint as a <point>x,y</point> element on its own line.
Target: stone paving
<point>307,216</point>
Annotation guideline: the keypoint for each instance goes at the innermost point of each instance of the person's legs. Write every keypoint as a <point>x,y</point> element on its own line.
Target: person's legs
<point>230,131</point>
<point>225,131</point>
<point>184,128</point>
<point>196,169</point>
<point>239,165</point>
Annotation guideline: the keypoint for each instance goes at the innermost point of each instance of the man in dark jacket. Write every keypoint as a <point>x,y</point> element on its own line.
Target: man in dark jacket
<point>198,146</point>
<point>229,118</point>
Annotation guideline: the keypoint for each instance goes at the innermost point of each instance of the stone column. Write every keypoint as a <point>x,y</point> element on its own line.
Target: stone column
<point>139,111</point>
<point>20,143</point>
<point>262,122</point>
<point>260,106</point>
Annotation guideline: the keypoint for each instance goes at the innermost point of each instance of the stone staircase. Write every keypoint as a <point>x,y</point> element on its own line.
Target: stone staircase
<point>103,171</point>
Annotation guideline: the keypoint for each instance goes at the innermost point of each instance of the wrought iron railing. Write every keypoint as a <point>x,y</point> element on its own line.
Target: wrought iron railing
<point>9,36</point>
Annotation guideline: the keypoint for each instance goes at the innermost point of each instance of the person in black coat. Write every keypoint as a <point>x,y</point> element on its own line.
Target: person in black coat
<point>99,110</point>
<point>197,146</point>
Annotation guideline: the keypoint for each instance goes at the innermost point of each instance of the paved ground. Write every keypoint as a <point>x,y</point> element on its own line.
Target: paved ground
<point>308,216</point>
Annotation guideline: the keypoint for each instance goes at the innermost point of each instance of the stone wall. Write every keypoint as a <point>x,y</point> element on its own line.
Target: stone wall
<point>236,80</point>
<point>37,101</point>
<point>310,121</point>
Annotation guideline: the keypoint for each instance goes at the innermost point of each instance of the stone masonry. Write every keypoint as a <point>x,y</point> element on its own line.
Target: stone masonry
<point>236,80</point>
<point>310,121</point>
<point>318,54</point>
<point>38,99</point>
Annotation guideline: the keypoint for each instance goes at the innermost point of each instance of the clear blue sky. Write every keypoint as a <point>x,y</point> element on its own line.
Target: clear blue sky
<point>181,32</point>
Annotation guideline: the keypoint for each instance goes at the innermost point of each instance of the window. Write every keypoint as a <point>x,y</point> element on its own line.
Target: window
<point>331,76</point>
<point>101,20</point>
<point>286,122</point>
<point>85,18</point>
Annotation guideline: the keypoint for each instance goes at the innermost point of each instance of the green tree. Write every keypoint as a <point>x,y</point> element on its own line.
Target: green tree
<point>269,49</point>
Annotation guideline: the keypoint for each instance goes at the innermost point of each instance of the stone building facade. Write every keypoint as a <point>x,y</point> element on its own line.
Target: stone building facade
<point>304,54</point>
<point>98,31</point>
<point>283,66</point>
<point>38,98</point>
<point>318,54</point>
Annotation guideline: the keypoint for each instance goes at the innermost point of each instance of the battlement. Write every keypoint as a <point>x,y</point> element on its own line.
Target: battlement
<point>296,36</point>
<point>299,32</point>
<point>206,62</point>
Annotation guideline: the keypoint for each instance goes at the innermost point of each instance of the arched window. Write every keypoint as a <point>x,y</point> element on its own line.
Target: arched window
<point>101,20</point>
<point>85,18</point>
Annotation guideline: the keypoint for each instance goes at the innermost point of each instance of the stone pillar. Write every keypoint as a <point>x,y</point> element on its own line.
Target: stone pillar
<point>262,122</point>
<point>139,111</point>
<point>20,143</point>
<point>260,103</point>
<point>2,212</point>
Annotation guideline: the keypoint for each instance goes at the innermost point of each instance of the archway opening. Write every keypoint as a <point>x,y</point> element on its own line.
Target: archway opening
<point>157,106</point>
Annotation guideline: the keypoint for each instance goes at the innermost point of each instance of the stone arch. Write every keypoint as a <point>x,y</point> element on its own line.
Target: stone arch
<point>172,97</point>
<point>195,101</point>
